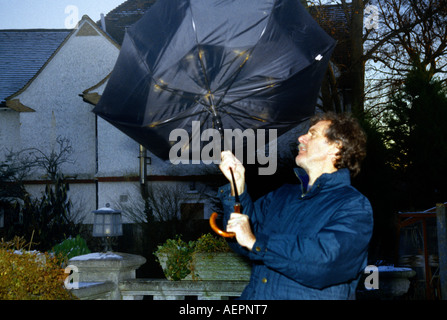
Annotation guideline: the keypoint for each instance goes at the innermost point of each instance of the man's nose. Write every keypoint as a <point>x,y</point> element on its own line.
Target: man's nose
<point>302,139</point>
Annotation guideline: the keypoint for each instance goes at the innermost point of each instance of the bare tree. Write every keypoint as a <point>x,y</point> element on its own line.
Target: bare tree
<point>412,33</point>
<point>161,202</point>
<point>407,31</point>
<point>16,166</point>
<point>51,162</point>
<point>13,169</point>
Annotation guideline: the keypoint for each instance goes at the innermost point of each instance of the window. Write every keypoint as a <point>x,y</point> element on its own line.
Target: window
<point>190,211</point>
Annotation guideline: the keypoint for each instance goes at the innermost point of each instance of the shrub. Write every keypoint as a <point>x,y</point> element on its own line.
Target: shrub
<point>179,254</point>
<point>31,275</point>
<point>207,243</point>
<point>70,248</point>
<point>47,220</point>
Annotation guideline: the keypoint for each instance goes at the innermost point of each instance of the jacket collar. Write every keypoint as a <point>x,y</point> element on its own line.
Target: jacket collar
<point>326,181</point>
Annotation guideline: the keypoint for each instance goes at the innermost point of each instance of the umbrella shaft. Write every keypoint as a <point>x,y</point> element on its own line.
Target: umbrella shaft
<point>217,122</point>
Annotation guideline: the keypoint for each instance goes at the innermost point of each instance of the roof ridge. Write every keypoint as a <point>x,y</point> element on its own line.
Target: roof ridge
<point>84,19</point>
<point>36,30</point>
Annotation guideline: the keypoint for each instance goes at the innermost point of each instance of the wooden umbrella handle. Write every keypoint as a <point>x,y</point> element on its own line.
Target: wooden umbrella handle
<point>237,208</point>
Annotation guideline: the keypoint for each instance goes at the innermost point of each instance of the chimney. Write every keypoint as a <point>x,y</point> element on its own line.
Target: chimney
<point>103,22</point>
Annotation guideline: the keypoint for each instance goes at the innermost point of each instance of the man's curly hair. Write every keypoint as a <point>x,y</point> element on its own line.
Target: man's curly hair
<point>345,130</point>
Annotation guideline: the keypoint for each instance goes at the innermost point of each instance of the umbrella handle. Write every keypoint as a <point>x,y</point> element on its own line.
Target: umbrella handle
<point>237,209</point>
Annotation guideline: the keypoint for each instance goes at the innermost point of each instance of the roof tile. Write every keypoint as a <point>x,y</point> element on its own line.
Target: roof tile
<point>23,53</point>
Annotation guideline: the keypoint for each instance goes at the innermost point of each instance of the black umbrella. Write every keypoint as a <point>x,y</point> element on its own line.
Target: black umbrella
<point>226,63</point>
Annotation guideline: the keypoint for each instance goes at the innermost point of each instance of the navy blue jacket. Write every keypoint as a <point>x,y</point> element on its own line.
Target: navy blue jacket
<point>309,245</point>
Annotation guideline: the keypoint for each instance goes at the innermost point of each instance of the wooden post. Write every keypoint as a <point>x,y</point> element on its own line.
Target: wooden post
<point>442,247</point>
<point>428,275</point>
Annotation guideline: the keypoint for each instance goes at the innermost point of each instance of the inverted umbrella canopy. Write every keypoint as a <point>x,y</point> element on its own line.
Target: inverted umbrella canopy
<point>235,64</point>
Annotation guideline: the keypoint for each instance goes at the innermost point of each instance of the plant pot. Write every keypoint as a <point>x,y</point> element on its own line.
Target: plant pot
<point>219,266</point>
<point>215,266</point>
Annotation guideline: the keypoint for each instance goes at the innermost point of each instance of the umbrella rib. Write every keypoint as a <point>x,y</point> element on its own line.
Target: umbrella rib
<point>156,123</point>
<point>247,96</point>
<point>229,65</point>
<point>232,115</point>
<point>174,91</point>
<point>236,73</point>
<point>202,65</point>
<point>233,76</point>
<point>163,86</point>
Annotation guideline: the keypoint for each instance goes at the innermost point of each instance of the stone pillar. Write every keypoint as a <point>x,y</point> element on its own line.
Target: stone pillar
<point>106,267</point>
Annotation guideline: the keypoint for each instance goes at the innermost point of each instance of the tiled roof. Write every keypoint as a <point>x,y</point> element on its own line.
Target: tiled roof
<point>22,54</point>
<point>124,16</point>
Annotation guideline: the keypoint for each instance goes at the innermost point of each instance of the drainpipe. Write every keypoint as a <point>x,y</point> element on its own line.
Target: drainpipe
<point>96,161</point>
<point>143,169</point>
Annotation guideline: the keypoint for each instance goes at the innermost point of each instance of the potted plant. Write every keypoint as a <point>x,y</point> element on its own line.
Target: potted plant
<point>207,258</point>
<point>175,257</point>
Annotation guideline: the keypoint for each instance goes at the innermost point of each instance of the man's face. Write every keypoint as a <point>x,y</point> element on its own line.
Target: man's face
<point>314,149</point>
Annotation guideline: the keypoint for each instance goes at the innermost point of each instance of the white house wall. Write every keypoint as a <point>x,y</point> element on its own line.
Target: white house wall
<point>9,131</point>
<point>113,193</point>
<point>80,62</point>
<point>117,153</point>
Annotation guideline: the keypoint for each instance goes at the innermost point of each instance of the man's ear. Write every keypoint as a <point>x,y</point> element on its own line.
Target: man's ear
<point>335,148</point>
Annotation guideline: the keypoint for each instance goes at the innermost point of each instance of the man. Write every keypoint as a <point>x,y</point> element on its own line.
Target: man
<point>310,240</point>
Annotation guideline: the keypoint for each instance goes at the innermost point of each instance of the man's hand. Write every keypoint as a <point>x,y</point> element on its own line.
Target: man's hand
<point>228,160</point>
<point>240,225</point>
